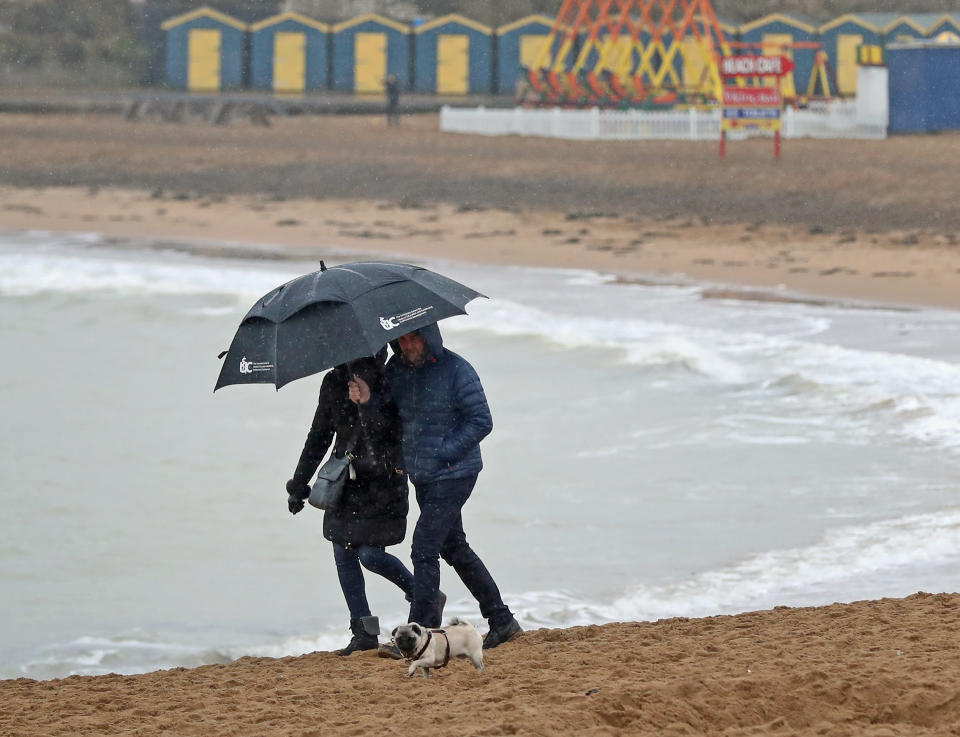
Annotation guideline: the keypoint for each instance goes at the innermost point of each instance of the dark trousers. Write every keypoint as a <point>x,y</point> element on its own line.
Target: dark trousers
<point>377,560</point>
<point>439,534</point>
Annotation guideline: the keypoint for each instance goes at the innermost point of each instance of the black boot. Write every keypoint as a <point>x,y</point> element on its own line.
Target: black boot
<point>501,634</point>
<point>365,631</point>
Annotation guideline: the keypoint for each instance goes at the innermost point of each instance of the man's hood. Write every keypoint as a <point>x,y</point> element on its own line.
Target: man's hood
<point>432,337</point>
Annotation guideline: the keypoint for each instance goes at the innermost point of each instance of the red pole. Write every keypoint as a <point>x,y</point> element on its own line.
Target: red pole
<point>723,144</point>
<point>776,144</point>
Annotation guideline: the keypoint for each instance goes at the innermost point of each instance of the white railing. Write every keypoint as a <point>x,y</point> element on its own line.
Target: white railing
<point>827,120</point>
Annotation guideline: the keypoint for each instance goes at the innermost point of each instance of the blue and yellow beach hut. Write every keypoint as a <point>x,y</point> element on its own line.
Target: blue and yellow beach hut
<point>366,50</point>
<point>842,38</point>
<point>289,53</point>
<point>521,44</point>
<point>204,51</point>
<point>453,55</point>
<point>773,35</point>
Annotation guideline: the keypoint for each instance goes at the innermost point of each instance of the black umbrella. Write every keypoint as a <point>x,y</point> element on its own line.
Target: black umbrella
<point>335,315</point>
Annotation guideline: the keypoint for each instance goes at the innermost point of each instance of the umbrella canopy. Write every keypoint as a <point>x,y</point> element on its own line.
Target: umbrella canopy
<point>335,315</point>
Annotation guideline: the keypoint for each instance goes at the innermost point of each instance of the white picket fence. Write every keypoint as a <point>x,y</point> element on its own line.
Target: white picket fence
<point>826,120</point>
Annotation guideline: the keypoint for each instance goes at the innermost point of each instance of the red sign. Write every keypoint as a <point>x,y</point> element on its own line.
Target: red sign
<point>755,66</point>
<point>752,97</point>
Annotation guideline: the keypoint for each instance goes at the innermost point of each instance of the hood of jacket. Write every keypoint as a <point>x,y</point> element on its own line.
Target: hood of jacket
<point>431,337</point>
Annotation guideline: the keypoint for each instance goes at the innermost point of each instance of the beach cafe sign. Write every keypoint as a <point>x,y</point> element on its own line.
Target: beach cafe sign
<point>752,108</point>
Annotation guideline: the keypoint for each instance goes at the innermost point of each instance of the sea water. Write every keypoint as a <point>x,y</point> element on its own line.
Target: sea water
<point>655,453</point>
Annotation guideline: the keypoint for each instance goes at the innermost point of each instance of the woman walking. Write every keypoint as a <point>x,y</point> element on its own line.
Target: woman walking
<point>372,512</point>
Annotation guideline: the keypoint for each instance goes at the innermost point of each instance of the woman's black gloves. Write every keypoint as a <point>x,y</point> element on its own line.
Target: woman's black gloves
<point>297,492</point>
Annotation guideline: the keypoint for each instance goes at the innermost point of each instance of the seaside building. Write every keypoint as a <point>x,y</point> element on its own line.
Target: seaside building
<point>205,51</point>
<point>924,86</point>
<point>289,54</point>
<point>841,39</point>
<point>778,35</point>
<point>366,50</point>
<point>520,45</point>
<point>453,55</point>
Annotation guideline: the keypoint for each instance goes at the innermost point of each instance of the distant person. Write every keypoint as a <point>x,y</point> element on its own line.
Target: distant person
<point>373,510</point>
<point>393,100</point>
<point>445,416</point>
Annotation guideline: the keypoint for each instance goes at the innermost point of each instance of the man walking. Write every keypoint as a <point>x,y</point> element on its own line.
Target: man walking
<point>445,416</point>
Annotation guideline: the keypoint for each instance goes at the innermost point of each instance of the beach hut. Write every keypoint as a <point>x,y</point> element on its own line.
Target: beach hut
<point>774,35</point>
<point>366,50</point>
<point>521,44</point>
<point>924,86</point>
<point>289,53</point>
<point>841,38</point>
<point>204,51</point>
<point>453,55</point>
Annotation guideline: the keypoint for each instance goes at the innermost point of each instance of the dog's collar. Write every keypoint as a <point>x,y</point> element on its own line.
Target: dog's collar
<point>446,655</point>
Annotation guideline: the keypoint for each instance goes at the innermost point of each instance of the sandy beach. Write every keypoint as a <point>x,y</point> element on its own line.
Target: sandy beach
<point>839,219</point>
<point>834,221</point>
<point>870,668</point>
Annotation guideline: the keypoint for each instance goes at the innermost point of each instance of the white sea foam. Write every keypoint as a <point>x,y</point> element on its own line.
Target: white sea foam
<point>821,573</point>
<point>862,392</point>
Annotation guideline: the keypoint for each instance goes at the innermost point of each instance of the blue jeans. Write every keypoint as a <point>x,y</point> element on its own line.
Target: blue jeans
<point>374,559</point>
<point>439,534</point>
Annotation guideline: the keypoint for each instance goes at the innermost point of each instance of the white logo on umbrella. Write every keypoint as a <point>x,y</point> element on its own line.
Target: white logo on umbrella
<point>392,323</point>
<point>251,367</point>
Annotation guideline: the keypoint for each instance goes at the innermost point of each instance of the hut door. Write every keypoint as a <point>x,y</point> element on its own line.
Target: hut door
<point>204,65</point>
<point>453,64</point>
<point>289,61</point>
<point>530,49</point>
<point>847,45</point>
<point>780,44</point>
<point>370,62</point>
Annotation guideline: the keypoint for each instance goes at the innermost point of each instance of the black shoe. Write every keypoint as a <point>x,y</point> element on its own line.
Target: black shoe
<point>499,635</point>
<point>389,650</point>
<point>365,631</point>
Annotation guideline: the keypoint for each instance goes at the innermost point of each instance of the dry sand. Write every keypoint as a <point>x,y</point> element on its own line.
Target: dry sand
<point>889,667</point>
<point>871,221</point>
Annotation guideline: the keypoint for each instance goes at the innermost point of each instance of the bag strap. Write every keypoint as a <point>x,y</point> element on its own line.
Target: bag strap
<point>354,437</point>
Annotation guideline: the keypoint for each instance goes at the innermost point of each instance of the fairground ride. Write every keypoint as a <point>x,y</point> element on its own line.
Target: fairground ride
<point>648,54</point>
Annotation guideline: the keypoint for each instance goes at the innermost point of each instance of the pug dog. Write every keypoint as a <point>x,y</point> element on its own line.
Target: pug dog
<point>426,648</point>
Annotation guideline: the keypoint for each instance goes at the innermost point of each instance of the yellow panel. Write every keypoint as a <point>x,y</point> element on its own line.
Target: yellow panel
<point>847,45</point>
<point>778,44</point>
<point>370,62</point>
<point>453,64</point>
<point>694,63</point>
<point>203,67</point>
<point>289,61</point>
<point>620,57</point>
<point>531,48</point>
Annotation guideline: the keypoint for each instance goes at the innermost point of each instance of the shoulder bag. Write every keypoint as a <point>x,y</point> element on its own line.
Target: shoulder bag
<point>328,488</point>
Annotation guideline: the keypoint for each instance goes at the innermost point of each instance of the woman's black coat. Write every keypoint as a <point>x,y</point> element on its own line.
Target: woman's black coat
<point>373,509</point>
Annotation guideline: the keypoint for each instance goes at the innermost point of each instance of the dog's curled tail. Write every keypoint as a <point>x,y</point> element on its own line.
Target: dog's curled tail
<point>458,620</point>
